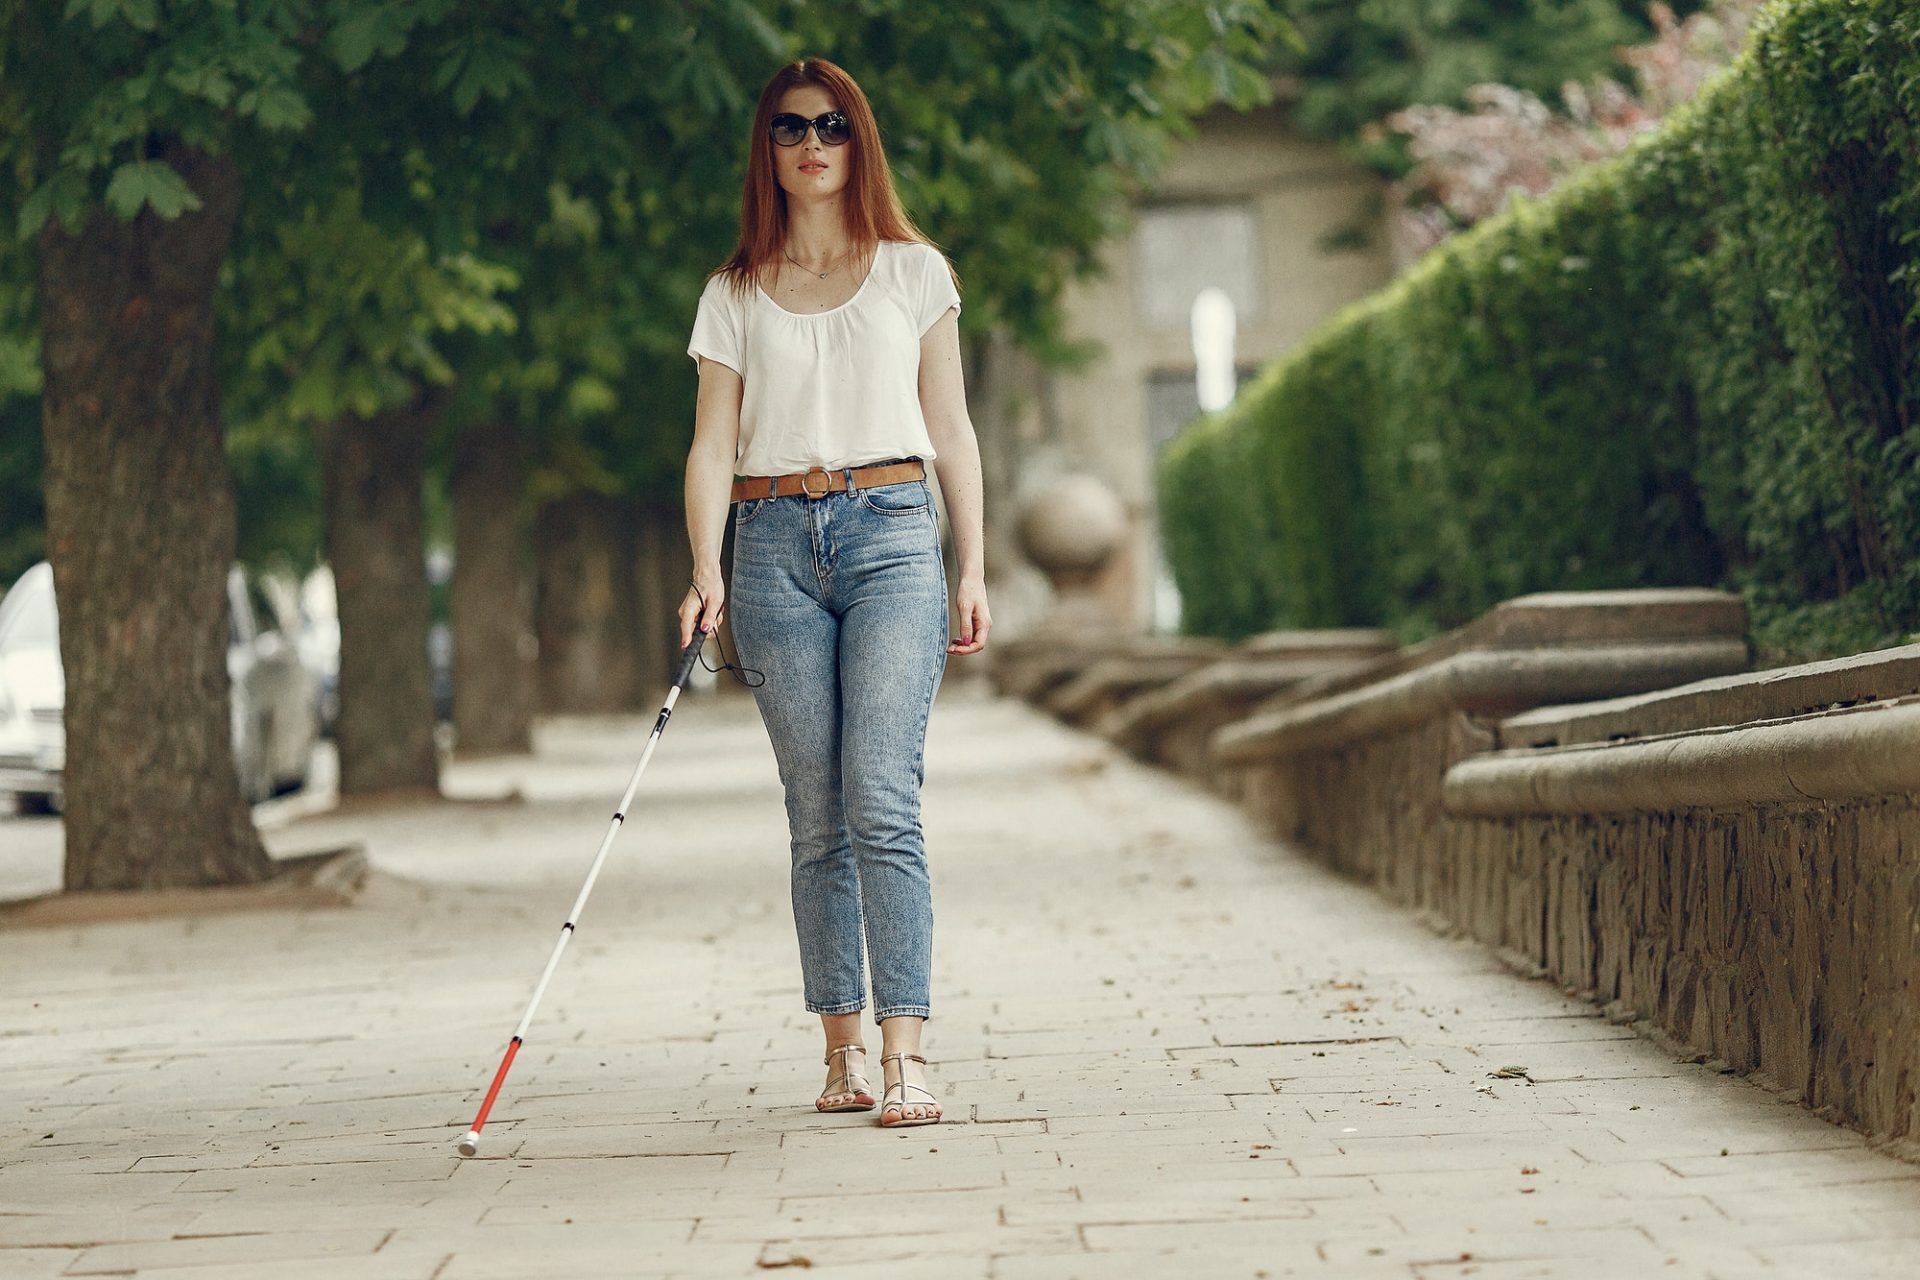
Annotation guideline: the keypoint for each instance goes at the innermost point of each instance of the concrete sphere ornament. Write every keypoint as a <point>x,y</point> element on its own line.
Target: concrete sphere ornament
<point>1070,526</point>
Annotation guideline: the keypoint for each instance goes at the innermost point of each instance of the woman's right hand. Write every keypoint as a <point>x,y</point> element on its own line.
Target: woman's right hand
<point>694,614</point>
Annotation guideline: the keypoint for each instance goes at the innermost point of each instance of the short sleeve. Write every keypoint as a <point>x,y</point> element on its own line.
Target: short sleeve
<point>935,289</point>
<point>717,329</point>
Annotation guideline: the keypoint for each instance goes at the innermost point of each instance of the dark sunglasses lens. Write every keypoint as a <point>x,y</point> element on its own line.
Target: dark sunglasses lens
<point>787,129</point>
<point>834,129</point>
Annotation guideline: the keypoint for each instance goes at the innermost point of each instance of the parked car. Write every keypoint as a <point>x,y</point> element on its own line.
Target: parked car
<point>319,646</point>
<point>318,630</point>
<point>315,615</point>
<point>33,741</point>
<point>274,701</point>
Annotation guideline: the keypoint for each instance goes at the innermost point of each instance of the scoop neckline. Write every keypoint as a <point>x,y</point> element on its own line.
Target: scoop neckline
<point>873,269</point>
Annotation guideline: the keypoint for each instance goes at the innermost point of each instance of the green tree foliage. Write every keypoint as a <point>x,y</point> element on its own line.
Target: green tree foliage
<point>22,540</point>
<point>491,132</point>
<point>336,318</point>
<point>1016,129</point>
<point>344,318</point>
<point>522,138</point>
<point>1360,59</point>
<point>608,290</point>
<point>449,122</point>
<point>1698,362</point>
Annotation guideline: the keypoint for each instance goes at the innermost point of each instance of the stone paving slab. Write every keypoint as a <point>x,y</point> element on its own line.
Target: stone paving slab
<point>1165,1045</point>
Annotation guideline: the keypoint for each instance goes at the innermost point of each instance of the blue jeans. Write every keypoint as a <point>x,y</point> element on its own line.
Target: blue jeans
<point>842,602</point>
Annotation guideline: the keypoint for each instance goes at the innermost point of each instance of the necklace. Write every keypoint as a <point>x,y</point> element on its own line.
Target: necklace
<point>809,270</point>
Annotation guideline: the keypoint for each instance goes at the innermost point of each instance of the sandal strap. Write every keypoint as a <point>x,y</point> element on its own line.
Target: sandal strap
<point>903,1084</point>
<point>847,1075</point>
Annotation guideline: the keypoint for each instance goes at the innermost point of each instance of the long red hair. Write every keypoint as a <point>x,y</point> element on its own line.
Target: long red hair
<point>871,207</point>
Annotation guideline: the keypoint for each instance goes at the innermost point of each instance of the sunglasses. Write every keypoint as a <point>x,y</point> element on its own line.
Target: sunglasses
<point>788,129</point>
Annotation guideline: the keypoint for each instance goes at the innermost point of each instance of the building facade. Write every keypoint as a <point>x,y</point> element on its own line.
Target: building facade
<point>1288,230</point>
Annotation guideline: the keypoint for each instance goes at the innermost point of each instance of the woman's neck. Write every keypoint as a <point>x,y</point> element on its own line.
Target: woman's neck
<point>816,231</point>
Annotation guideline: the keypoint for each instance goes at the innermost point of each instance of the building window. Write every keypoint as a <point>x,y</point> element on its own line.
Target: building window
<point>1180,249</point>
<point>1173,401</point>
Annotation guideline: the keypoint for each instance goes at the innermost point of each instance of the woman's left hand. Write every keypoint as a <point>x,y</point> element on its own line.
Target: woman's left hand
<point>971,601</point>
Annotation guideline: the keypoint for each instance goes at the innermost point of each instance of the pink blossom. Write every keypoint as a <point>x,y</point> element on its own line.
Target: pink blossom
<point>1469,163</point>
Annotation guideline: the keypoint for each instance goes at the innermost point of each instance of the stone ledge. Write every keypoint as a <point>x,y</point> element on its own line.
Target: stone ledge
<point>1257,669</point>
<point>1112,681</point>
<point>1848,754</point>
<point>1326,642</point>
<point>1777,694</point>
<point>1552,619</point>
<point>1562,617</point>
<point>328,878</point>
<point>1493,682</point>
<point>1037,664</point>
<point>1225,684</point>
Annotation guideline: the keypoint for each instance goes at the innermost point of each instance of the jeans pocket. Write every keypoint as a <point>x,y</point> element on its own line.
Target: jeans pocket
<point>909,497</point>
<point>746,509</point>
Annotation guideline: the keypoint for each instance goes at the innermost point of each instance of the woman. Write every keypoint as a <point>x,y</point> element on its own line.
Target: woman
<point>829,359</point>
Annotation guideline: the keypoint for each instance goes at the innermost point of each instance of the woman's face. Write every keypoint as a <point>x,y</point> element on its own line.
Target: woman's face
<point>810,170</point>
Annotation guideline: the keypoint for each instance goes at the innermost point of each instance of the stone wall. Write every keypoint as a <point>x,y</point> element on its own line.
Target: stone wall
<point>1736,862</point>
<point>1591,785</point>
<point>1351,766</point>
<point>1174,725</point>
<point>1778,939</point>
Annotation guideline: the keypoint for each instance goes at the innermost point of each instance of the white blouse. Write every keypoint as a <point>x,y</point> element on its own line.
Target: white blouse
<point>839,388</point>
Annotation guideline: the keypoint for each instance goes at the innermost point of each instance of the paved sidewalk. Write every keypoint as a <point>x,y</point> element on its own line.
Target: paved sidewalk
<point>1166,1047</point>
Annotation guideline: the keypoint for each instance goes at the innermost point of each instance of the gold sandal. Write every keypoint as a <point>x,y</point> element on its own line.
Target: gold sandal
<point>900,1105</point>
<point>862,1095</point>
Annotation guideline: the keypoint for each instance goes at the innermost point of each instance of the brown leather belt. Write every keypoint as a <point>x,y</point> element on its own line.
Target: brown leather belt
<point>818,482</point>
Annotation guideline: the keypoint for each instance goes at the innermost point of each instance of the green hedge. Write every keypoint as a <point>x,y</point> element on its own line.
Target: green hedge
<point>1698,363</point>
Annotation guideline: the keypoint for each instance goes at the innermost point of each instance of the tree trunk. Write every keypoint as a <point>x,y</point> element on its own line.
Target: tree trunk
<point>140,530</point>
<point>586,607</point>
<point>493,644</point>
<point>665,566</point>
<point>372,473</point>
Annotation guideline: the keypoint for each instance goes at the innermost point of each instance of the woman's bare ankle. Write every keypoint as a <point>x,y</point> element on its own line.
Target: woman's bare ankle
<point>841,1029</point>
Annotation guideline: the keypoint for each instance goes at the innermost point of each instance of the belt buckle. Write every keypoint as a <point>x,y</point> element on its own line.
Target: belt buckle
<point>826,482</point>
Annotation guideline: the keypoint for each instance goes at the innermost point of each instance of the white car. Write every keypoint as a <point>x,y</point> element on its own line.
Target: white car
<point>33,741</point>
<point>274,704</point>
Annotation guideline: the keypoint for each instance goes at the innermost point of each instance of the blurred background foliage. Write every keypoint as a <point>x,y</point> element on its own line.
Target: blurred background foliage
<point>1017,130</point>
<point>1696,363</point>
<point>1358,60</point>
